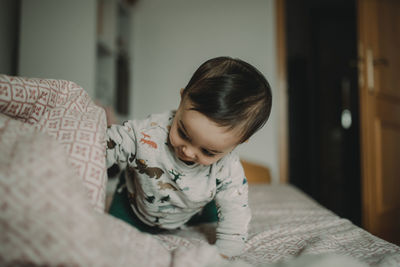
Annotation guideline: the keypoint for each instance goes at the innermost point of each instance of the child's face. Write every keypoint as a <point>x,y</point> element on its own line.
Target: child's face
<point>195,138</point>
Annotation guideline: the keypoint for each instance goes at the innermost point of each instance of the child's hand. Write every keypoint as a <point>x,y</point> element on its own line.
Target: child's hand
<point>110,115</point>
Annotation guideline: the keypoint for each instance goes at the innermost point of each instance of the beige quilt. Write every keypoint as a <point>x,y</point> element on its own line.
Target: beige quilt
<point>52,188</point>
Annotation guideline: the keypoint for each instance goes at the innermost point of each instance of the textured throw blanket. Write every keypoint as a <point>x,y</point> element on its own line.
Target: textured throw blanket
<point>52,181</point>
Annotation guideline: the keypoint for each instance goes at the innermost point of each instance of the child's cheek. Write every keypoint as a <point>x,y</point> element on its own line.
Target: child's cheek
<point>209,161</point>
<point>173,138</point>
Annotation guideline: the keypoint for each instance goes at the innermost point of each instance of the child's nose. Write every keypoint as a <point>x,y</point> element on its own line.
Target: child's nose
<point>188,152</point>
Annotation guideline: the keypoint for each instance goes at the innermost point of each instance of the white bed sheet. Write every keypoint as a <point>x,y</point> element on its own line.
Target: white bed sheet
<point>286,224</point>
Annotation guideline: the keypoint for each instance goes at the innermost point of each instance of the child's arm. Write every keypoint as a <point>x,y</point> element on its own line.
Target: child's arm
<point>233,210</point>
<point>121,145</point>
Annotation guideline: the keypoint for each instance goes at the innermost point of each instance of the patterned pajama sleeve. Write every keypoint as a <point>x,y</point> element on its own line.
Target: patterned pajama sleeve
<point>233,211</point>
<point>121,145</point>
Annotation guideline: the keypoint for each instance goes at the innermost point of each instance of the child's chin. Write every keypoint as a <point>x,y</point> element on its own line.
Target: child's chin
<point>188,162</point>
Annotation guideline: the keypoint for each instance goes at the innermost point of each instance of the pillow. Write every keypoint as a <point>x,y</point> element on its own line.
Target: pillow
<point>63,110</point>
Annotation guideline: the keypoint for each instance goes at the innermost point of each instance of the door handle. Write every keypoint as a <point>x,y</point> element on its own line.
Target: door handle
<point>381,62</point>
<point>370,70</point>
<point>346,116</point>
<point>346,119</point>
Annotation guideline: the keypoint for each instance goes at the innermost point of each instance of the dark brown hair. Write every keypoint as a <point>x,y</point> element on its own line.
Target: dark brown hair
<point>231,93</point>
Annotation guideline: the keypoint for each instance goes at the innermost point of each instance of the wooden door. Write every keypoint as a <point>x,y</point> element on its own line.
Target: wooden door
<point>379,79</point>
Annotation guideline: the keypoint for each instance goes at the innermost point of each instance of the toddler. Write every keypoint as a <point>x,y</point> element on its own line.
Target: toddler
<point>181,166</point>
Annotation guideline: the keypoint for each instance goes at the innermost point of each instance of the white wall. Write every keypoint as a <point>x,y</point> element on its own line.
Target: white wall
<point>58,40</point>
<point>172,38</point>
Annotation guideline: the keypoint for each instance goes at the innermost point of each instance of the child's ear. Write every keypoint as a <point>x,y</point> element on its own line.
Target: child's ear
<point>181,92</point>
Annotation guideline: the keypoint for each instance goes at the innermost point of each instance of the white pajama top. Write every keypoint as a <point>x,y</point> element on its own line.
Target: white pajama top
<point>166,192</point>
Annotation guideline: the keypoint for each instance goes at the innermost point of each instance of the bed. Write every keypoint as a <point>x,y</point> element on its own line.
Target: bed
<point>53,189</point>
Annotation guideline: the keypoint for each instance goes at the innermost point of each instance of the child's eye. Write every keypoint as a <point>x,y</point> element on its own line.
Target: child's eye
<point>207,153</point>
<point>182,134</point>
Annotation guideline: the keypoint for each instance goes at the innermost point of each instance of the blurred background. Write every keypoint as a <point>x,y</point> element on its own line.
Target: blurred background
<point>135,55</point>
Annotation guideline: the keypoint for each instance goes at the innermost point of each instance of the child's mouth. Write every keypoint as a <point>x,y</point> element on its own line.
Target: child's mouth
<point>187,162</point>
<point>182,158</point>
<point>179,154</point>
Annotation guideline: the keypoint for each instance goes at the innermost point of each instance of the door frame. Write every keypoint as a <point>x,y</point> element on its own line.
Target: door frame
<point>282,95</point>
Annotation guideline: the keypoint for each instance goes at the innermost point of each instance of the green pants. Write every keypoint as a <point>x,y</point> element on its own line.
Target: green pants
<point>121,208</point>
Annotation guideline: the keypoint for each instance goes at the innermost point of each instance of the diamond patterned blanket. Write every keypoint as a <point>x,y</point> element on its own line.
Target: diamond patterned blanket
<point>52,184</point>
